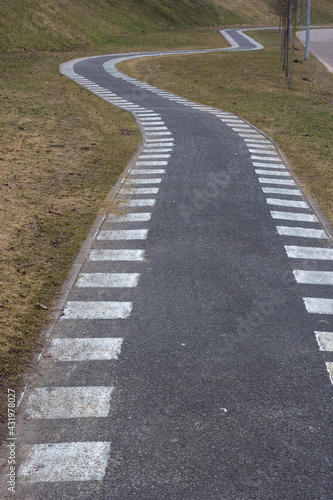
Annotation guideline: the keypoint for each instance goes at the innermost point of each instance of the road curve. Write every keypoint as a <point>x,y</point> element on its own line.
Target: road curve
<point>193,357</point>
<point>321,45</point>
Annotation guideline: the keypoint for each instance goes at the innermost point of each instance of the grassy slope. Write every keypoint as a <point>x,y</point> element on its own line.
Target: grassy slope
<point>42,25</point>
<point>61,148</point>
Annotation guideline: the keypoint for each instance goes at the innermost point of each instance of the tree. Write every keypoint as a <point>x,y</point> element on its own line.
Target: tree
<point>289,19</point>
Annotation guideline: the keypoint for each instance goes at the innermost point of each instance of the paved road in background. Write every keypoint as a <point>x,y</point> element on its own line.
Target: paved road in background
<point>193,356</point>
<point>321,45</point>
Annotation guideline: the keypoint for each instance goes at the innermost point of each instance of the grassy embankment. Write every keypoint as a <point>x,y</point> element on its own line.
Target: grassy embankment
<point>61,147</point>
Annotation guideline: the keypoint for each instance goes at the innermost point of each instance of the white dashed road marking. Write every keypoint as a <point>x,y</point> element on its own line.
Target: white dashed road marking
<point>85,349</point>
<point>318,306</point>
<point>135,217</point>
<point>299,252</point>
<point>69,402</point>
<point>138,203</point>
<point>314,277</point>
<point>65,461</point>
<point>293,192</point>
<point>286,203</point>
<point>294,216</point>
<point>325,340</point>
<point>96,310</point>
<point>301,232</point>
<point>273,172</point>
<point>108,280</point>
<point>124,234</point>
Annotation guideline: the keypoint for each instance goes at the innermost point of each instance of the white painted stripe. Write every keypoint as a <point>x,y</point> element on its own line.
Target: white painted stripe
<point>153,123</point>
<point>85,349</point>
<point>157,150</point>
<point>293,216</point>
<point>231,120</point>
<point>263,151</point>
<point>143,171</point>
<point>313,277</point>
<point>294,192</point>
<point>147,119</point>
<point>299,252</point>
<point>52,462</point>
<point>329,366</point>
<point>133,180</point>
<point>151,163</point>
<point>286,182</point>
<point>253,134</point>
<point>153,144</point>
<point>146,156</point>
<point>325,340</point>
<point>118,99</point>
<point>261,143</point>
<point>69,402</point>
<point>123,234</point>
<point>159,133</point>
<point>253,143</point>
<point>160,139</point>
<point>272,172</point>
<point>129,190</point>
<point>107,280</point>
<point>138,203</point>
<point>135,217</point>
<point>286,203</point>
<point>258,143</point>
<point>301,232</point>
<point>126,255</point>
<point>246,128</point>
<point>318,306</point>
<point>266,158</point>
<point>97,310</point>
<point>268,165</point>
<point>154,128</point>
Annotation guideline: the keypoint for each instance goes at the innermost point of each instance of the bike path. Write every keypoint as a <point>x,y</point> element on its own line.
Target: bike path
<point>193,356</point>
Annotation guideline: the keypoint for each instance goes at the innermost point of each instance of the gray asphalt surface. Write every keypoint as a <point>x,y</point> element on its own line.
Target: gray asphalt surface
<point>321,45</point>
<point>220,391</point>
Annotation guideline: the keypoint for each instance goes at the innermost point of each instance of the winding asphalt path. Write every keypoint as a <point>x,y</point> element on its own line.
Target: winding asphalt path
<point>193,356</point>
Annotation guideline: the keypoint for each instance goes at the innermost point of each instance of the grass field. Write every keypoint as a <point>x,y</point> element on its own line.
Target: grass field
<point>62,148</point>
